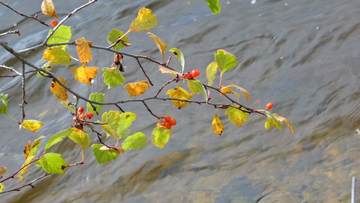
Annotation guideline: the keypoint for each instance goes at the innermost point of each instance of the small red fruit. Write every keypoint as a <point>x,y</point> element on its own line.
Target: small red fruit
<point>167,119</point>
<point>195,73</point>
<point>187,75</point>
<point>173,122</point>
<point>89,115</point>
<point>54,23</point>
<point>74,118</point>
<point>82,116</point>
<point>269,106</point>
<point>167,125</point>
<point>80,110</point>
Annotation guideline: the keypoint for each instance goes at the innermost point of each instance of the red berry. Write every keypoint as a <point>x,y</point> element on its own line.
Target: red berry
<point>89,115</point>
<point>74,118</point>
<point>269,106</point>
<point>54,23</point>
<point>167,125</point>
<point>80,110</point>
<point>167,119</point>
<point>173,122</point>
<point>195,73</point>
<point>187,75</point>
<point>82,116</point>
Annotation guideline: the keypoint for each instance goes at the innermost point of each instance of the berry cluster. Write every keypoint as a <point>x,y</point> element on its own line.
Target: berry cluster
<point>192,74</point>
<point>82,116</point>
<point>168,122</point>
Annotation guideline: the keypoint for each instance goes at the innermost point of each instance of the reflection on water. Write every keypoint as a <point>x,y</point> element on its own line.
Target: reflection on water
<point>303,56</point>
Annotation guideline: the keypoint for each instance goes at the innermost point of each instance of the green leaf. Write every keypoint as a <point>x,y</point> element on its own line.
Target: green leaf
<point>114,35</point>
<point>126,120</point>
<point>196,88</point>
<point>160,136</point>
<point>103,156</point>
<point>38,75</point>
<point>272,121</point>
<point>57,56</point>
<point>80,138</point>
<point>112,119</point>
<point>35,145</point>
<point>135,141</point>
<point>237,116</point>
<point>112,77</point>
<point>57,138</point>
<point>225,60</point>
<point>70,107</point>
<point>214,5</point>
<point>124,133</point>
<point>3,108</point>
<point>52,163</point>
<point>211,71</point>
<point>95,97</point>
<point>62,34</point>
<point>179,55</point>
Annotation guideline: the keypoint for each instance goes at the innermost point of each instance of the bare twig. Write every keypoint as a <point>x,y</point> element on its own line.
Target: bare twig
<point>168,82</point>
<point>23,93</point>
<point>144,72</point>
<point>29,184</point>
<point>150,110</point>
<point>10,32</point>
<point>26,16</point>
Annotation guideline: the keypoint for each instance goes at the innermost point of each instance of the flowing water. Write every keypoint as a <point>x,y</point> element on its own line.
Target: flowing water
<point>302,55</point>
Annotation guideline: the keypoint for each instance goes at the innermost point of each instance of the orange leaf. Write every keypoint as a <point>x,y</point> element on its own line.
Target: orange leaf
<point>85,74</point>
<point>83,49</point>
<point>159,43</point>
<point>217,126</point>
<point>59,92</point>
<point>135,89</point>
<point>226,90</point>
<point>47,8</point>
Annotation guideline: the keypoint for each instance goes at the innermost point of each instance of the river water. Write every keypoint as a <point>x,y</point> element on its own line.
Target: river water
<point>303,56</point>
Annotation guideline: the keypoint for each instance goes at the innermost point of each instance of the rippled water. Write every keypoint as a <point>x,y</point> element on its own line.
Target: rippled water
<point>302,55</point>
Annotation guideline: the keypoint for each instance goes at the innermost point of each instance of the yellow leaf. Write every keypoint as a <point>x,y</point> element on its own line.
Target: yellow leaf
<point>59,91</point>
<point>83,49</point>
<point>57,55</point>
<point>144,21</point>
<point>243,91</point>
<point>217,126</point>
<point>32,125</point>
<point>159,43</point>
<point>3,170</point>
<point>1,187</point>
<point>179,93</point>
<point>24,170</point>
<point>20,178</point>
<point>137,88</point>
<point>166,70</point>
<point>85,74</point>
<point>282,119</point>
<point>47,8</point>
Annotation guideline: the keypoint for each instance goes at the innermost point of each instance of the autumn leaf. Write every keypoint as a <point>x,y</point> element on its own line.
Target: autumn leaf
<point>160,44</point>
<point>272,121</point>
<point>282,119</point>
<point>3,170</point>
<point>226,90</point>
<point>237,116</point>
<point>47,8</point>
<point>112,77</point>
<point>59,91</point>
<point>85,74</point>
<point>225,60</point>
<point>211,71</point>
<point>166,70</point>
<point>35,146</point>
<point>135,89</point>
<point>144,21</point>
<point>83,50</point>
<point>179,93</point>
<point>160,136</point>
<point>32,125</point>
<point>196,87</point>
<point>80,138</point>
<point>1,187</point>
<point>57,56</point>
<point>179,55</point>
<point>214,5</point>
<point>217,125</point>
<point>24,170</point>
<point>114,35</point>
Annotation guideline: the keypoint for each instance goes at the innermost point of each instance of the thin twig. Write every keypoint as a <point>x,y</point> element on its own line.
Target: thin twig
<point>144,72</point>
<point>29,184</point>
<point>150,110</point>
<point>119,108</point>
<point>10,32</point>
<point>26,16</point>
<point>168,82</point>
<point>23,93</point>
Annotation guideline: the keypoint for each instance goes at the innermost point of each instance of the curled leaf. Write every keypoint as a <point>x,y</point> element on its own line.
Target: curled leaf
<point>47,8</point>
<point>282,119</point>
<point>59,91</point>
<point>144,21</point>
<point>159,43</point>
<point>179,55</point>
<point>179,93</point>
<point>166,70</point>
<point>85,74</point>
<point>83,50</point>
<point>226,90</point>
<point>135,89</point>
<point>217,125</point>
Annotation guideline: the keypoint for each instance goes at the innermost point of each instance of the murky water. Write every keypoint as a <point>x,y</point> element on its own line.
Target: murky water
<point>302,55</point>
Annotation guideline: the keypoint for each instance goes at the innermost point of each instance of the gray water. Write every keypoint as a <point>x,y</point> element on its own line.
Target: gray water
<point>303,56</point>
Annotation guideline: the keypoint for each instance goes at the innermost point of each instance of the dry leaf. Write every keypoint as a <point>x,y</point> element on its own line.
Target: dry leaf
<point>47,8</point>
<point>59,91</point>
<point>159,43</point>
<point>166,70</point>
<point>83,49</point>
<point>217,126</point>
<point>85,74</point>
<point>135,89</point>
